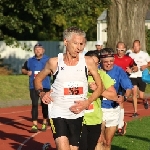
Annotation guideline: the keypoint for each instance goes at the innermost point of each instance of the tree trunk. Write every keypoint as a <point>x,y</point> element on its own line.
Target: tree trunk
<point>126,22</point>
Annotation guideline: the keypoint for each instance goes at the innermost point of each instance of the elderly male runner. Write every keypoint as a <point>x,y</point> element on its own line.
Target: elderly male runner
<point>69,90</point>
<point>110,108</point>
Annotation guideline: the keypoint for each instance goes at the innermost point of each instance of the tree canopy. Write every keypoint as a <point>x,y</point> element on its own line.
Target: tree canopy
<point>17,18</point>
<point>46,19</point>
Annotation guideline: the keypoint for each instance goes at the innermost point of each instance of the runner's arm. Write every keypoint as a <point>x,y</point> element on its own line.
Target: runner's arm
<point>110,93</point>
<point>92,68</point>
<point>43,73</point>
<point>25,68</point>
<point>126,83</point>
<point>133,66</point>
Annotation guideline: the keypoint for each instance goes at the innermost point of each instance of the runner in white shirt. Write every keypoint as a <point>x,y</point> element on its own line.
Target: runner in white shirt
<point>69,90</point>
<point>142,59</point>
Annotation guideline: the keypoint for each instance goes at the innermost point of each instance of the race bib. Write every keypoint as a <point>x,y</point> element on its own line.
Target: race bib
<point>73,88</point>
<point>90,109</point>
<point>35,73</point>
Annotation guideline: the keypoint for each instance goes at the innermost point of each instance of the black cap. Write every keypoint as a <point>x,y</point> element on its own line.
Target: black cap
<point>38,45</point>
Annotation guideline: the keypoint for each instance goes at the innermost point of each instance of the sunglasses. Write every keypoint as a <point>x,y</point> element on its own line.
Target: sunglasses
<point>122,50</point>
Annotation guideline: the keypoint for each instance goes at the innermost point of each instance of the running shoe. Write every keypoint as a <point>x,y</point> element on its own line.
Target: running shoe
<point>46,146</point>
<point>122,131</point>
<point>34,129</point>
<point>124,128</point>
<point>44,127</point>
<point>145,103</point>
<point>135,115</point>
<point>119,131</point>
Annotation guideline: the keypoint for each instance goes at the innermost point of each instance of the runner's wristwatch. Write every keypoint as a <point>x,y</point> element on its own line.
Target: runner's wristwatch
<point>39,91</point>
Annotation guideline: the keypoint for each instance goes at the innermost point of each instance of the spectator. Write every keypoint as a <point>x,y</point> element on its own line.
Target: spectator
<point>31,68</point>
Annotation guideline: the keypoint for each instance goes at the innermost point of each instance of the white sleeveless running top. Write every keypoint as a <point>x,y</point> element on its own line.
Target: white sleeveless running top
<point>69,85</point>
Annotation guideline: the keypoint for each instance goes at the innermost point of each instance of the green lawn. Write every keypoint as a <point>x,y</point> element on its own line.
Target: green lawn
<point>14,87</point>
<point>136,138</point>
<point>148,88</point>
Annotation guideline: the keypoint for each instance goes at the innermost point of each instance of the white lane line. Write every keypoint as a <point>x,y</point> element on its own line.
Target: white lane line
<point>24,142</point>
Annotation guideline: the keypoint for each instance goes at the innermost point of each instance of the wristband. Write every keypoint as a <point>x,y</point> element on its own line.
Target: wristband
<point>39,91</point>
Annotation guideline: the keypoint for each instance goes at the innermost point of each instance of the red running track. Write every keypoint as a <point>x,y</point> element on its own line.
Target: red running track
<point>15,125</point>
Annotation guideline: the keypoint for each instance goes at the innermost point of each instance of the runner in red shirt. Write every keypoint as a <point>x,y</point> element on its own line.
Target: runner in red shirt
<point>129,66</point>
<point>124,61</point>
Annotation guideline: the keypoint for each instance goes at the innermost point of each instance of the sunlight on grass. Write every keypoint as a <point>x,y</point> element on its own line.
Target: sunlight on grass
<point>136,138</point>
<point>148,88</point>
<point>14,87</point>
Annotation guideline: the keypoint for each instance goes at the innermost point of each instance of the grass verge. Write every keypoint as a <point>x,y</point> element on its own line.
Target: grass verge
<point>14,87</point>
<point>136,138</point>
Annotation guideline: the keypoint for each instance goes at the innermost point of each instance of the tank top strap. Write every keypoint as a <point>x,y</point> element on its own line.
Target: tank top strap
<point>82,61</point>
<point>60,58</point>
<point>81,56</point>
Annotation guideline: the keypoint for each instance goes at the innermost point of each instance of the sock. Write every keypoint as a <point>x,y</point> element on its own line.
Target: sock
<point>121,118</point>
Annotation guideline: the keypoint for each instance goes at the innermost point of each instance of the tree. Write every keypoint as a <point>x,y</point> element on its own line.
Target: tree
<point>148,40</point>
<point>46,19</point>
<point>126,22</point>
<point>17,18</point>
<point>76,13</point>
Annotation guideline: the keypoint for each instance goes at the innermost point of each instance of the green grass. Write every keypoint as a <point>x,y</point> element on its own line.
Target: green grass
<point>136,138</point>
<point>14,87</point>
<point>148,88</point>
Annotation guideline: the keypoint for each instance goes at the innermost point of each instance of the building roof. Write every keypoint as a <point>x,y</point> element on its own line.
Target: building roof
<point>104,15</point>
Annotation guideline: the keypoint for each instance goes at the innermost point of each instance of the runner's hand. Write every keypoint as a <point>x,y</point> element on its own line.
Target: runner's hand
<point>120,99</point>
<point>143,67</point>
<point>79,106</point>
<point>45,97</point>
<point>129,70</point>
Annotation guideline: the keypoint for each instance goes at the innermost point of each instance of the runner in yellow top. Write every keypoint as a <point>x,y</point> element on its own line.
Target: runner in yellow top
<point>93,116</point>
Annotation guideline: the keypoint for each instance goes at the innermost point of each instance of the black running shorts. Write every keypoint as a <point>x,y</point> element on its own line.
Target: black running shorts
<point>71,128</point>
<point>140,84</point>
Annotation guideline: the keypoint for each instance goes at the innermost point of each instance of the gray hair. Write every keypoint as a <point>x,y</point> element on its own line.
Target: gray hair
<point>67,34</point>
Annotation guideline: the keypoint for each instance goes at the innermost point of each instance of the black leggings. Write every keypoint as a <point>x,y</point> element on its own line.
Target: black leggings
<point>89,137</point>
<point>35,98</point>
